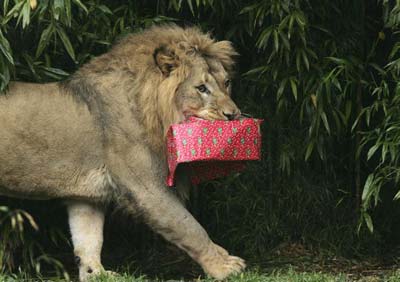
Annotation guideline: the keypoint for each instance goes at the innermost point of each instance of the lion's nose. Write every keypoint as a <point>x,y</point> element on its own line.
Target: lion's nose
<point>231,116</point>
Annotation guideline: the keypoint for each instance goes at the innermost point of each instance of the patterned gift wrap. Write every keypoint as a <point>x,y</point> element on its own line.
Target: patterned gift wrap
<point>212,149</point>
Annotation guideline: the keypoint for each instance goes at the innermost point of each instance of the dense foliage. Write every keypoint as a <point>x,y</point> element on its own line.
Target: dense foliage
<point>324,75</point>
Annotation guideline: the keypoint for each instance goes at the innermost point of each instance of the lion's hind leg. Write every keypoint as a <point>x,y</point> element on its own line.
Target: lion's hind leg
<point>86,224</point>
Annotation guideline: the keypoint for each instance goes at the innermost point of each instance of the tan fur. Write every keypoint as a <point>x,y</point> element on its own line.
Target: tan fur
<point>100,136</point>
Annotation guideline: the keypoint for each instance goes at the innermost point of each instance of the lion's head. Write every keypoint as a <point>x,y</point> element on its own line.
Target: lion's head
<point>199,79</point>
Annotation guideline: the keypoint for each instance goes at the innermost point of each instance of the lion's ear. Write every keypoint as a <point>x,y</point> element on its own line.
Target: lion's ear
<point>165,59</point>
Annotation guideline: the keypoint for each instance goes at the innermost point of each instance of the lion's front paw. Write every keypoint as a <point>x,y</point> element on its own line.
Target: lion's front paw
<point>219,264</point>
<point>94,274</point>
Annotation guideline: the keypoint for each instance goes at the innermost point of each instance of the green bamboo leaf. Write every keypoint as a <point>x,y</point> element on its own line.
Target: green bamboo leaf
<point>378,68</point>
<point>175,5</point>
<point>384,152</point>
<point>80,4</point>
<point>67,44</point>
<point>31,66</point>
<point>281,88</point>
<point>258,70</point>
<point>298,58</point>
<point>284,23</point>
<point>372,151</point>
<point>356,122</point>
<point>336,82</point>
<point>244,10</point>
<point>309,150</point>
<point>300,19</point>
<point>305,59</point>
<point>397,196</point>
<point>394,51</point>
<point>14,12</point>
<point>328,77</point>
<point>368,221</point>
<point>44,39</point>
<point>105,9</point>
<point>25,14</point>
<point>336,114</point>
<point>338,60</point>
<point>190,6</point>
<point>5,6</point>
<point>68,12</point>
<point>325,121</point>
<point>276,40</point>
<point>4,74</point>
<point>368,186</point>
<point>4,209</point>
<point>394,127</point>
<point>58,8</point>
<point>284,40</point>
<point>312,53</point>
<point>293,85</point>
<point>264,37</point>
<point>58,72</point>
<point>291,21</point>
<point>6,49</point>
<point>30,219</point>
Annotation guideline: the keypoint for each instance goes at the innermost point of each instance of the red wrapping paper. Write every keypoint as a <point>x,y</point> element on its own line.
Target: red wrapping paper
<point>212,149</point>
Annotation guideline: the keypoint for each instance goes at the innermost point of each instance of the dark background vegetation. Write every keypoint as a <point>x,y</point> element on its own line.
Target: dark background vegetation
<point>323,74</point>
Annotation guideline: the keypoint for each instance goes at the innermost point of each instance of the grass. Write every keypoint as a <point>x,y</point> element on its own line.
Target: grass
<point>250,276</point>
<point>288,263</point>
<point>283,275</point>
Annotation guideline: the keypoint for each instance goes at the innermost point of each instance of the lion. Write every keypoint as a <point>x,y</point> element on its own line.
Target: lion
<point>99,137</point>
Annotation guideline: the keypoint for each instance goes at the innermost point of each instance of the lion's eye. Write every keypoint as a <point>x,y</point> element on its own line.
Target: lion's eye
<point>227,83</point>
<point>203,89</point>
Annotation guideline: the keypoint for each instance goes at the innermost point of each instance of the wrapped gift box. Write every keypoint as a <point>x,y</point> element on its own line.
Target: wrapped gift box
<point>211,149</point>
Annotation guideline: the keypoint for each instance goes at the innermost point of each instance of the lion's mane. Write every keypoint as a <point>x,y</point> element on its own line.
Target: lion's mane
<point>132,62</point>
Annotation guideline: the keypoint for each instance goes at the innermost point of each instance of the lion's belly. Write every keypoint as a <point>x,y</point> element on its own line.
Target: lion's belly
<point>46,142</point>
<point>27,176</point>
<point>13,193</point>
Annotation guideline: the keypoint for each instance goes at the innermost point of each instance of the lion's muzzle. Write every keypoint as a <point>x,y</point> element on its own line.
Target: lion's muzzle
<point>228,109</point>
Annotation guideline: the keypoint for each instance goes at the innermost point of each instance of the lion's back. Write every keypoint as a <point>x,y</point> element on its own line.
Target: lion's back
<point>45,136</point>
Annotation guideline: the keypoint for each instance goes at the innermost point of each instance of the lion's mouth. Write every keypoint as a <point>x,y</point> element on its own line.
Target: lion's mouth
<point>216,115</point>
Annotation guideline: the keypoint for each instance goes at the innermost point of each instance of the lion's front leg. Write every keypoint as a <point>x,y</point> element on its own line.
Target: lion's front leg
<point>143,186</point>
<point>86,224</point>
